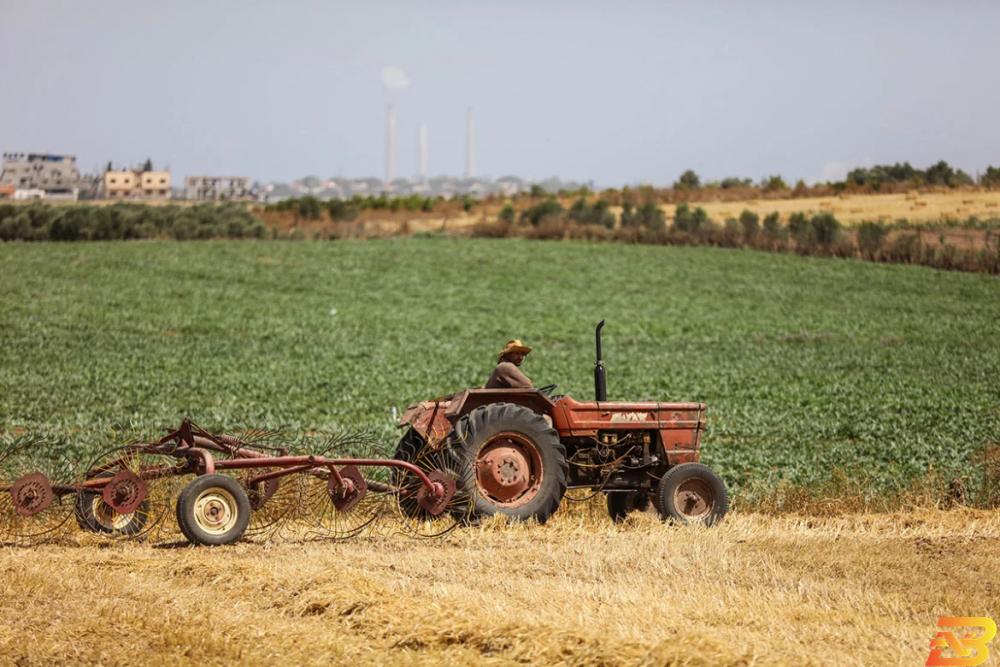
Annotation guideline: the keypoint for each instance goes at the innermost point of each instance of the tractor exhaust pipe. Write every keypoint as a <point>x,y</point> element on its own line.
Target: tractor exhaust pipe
<point>600,379</point>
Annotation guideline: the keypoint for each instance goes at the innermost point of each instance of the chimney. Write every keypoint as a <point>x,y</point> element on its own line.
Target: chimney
<point>422,153</point>
<point>470,147</point>
<point>390,144</point>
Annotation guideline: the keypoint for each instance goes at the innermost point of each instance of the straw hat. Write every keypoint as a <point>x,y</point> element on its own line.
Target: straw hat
<point>513,345</point>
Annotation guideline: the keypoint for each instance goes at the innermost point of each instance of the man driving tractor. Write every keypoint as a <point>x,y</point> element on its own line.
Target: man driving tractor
<point>507,374</point>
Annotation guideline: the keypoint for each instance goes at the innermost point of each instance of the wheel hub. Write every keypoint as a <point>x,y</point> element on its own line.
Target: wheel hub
<point>125,492</point>
<point>509,469</point>
<point>32,494</point>
<point>347,492</point>
<point>694,498</point>
<point>215,511</point>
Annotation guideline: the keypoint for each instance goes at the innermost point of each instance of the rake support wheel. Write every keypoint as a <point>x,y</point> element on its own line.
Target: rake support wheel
<point>213,510</point>
<point>141,485</point>
<point>93,512</point>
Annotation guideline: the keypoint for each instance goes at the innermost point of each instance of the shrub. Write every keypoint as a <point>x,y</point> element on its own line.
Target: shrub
<point>800,229</point>
<point>601,214</point>
<point>875,176</point>
<point>731,182</point>
<point>871,236</point>
<point>773,184</point>
<point>774,232</point>
<point>579,211</point>
<point>688,181</point>
<point>732,233</point>
<point>597,214</point>
<point>825,229</point>
<point>942,173</point>
<point>507,214</point>
<point>750,223</point>
<point>548,208</point>
<point>688,221</point>
<point>628,215</point>
<point>649,216</point>
<point>341,210</point>
<point>991,177</point>
<point>40,222</point>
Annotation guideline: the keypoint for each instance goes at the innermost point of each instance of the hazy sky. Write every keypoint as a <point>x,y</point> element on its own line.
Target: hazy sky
<point>610,92</point>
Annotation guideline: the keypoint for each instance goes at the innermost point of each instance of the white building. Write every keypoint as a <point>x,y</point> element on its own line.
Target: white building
<point>218,188</point>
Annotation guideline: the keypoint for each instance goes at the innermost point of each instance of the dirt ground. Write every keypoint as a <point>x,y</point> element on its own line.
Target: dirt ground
<point>849,590</point>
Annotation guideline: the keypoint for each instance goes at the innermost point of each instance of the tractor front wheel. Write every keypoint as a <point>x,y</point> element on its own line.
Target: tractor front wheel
<point>692,493</point>
<point>518,465</point>
<point>213,510</point>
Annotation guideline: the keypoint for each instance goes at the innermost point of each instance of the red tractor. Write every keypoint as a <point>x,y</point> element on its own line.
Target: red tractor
<point>521,449</point>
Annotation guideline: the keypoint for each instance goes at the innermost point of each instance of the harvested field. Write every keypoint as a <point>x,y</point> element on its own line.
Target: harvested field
<point>847,590</point>
<point>922,207</point>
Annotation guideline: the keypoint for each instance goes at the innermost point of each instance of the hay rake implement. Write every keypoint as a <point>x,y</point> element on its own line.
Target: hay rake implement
<point>222,487</point>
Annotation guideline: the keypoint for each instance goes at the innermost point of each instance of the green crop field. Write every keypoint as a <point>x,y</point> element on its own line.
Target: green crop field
<point>807,365</point>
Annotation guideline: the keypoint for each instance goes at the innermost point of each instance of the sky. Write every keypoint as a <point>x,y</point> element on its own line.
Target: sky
<point>613,93</point>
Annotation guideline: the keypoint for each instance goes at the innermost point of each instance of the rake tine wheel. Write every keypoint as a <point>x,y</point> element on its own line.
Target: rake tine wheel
<point>339,509</point>
<point>418,516</point>
<point>340,505</point>
<point>126,492</point>
<point>274,502</point>
<point>35,496</point>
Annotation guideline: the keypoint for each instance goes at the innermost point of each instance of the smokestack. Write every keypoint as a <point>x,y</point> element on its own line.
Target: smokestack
<point>390,144</point>
<point>470,147</point>
<point>422,153</point>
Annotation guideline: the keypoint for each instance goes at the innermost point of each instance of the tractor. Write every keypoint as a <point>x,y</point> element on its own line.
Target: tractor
<point>515,452</point>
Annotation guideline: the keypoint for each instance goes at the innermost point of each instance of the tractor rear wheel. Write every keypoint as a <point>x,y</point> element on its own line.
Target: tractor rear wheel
<point>213,510</point>
<point>692,493</point>
<point>518,465</point>
<point>623,503</point>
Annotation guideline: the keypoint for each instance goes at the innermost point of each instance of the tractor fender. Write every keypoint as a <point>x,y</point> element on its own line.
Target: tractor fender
<point>434,419</point>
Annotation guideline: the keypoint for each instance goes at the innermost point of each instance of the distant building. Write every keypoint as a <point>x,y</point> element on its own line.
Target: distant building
<point>29,193</point>
<point>119,184</point>
<point>218,188</point>
<point>133,184</point>
<point>6,191</point>
<point>55,176</point>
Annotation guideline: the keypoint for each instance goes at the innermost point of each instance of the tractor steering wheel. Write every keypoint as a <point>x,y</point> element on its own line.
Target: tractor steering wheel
<point>548,389</point>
